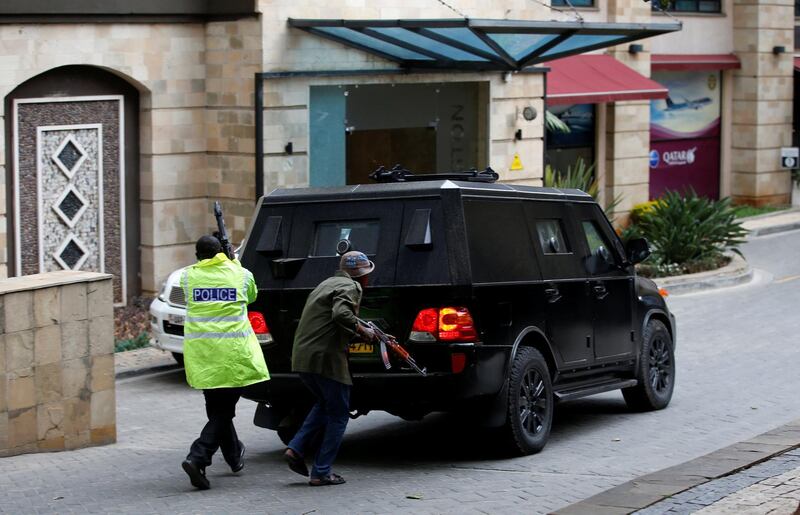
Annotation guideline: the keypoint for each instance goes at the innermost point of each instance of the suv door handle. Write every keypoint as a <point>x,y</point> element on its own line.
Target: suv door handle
<point>600,291</point>
<point>553,295</point>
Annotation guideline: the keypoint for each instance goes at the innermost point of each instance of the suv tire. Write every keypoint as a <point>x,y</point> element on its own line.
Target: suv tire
<point>530,403</point>
<point>178,357</point>
<point>656,370</point>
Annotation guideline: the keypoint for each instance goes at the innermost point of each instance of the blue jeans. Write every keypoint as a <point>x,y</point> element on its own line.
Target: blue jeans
<point>329,415</point>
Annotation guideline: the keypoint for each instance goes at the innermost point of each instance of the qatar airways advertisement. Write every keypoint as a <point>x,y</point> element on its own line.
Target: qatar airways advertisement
<point>684,134</point>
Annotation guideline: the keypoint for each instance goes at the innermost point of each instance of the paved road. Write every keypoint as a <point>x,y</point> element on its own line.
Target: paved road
<point>738,360</point>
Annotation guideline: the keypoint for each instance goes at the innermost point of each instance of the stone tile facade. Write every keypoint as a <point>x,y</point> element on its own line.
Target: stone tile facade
<point>167,64</point>
<point>56,362</point>
<point>762,101</point>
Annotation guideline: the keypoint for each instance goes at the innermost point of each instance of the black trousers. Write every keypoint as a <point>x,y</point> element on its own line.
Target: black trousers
<point>218,432</point>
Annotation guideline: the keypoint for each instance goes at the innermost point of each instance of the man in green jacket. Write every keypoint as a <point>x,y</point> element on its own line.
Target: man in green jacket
<point>221,352</point>
<point>326,325</point>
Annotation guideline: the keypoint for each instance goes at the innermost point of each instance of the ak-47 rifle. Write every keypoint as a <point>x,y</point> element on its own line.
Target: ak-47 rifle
<point>223,232</point>
<point>390,342</point>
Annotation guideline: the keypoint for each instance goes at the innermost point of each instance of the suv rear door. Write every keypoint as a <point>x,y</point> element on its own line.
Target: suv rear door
<point>569,308</point>
<point>610,284</point>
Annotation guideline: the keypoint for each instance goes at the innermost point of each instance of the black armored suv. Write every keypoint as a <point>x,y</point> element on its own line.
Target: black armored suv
<point>513,298</point>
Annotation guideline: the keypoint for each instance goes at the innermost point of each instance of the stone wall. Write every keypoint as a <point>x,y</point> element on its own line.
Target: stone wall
<point>56,362</point>
<point>233,57</point>
<point>627,170</point>
<point>762,101</point>
<point>166,63</point>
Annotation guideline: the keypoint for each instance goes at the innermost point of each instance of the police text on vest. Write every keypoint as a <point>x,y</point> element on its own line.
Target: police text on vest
<point>214,294</point>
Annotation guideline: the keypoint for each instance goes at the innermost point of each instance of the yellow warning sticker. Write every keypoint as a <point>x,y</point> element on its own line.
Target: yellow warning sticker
<point>516,163</point>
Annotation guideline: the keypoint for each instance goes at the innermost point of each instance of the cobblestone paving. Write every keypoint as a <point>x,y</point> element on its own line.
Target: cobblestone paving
<point>129,361</point>
<point>737,377</point>
<point>763,488</point>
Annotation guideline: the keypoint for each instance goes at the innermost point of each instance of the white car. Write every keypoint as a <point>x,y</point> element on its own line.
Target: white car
<point>167,316</point>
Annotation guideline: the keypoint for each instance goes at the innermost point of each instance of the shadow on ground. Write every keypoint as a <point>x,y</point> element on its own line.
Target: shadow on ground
<point>455,438</point>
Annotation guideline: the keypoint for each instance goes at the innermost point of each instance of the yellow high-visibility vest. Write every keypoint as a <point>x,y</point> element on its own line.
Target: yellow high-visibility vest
<point>219,346</point>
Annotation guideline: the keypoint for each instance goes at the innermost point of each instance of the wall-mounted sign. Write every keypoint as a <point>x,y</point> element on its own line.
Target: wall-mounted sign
<point>684,134</point>
<point>790,157</point>
<point>516,163</point>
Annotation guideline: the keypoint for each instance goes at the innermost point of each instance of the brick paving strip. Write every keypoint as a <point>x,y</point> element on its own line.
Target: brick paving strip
<point>142,361</point>
<point>736,477</point>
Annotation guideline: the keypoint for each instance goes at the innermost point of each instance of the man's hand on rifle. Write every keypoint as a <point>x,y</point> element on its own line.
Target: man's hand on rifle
<point>366,332</point>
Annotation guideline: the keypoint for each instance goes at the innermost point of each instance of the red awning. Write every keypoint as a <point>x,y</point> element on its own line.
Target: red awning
<point>694,62</point>
<point>593,79</point>
<point>797,63</point>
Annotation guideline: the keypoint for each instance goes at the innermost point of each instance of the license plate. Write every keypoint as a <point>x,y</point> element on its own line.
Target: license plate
<point>175,319</point>
<point>361,348</point>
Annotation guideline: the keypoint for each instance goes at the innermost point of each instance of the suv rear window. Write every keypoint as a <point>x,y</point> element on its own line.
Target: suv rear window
<point>363,234</point>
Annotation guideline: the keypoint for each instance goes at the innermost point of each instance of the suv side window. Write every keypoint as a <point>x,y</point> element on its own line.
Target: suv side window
<point>601,258</point>
<point>551,237</point>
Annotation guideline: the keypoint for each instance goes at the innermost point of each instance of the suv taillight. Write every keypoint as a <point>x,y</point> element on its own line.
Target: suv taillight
<point>448,324</point>
<point>259,325</point>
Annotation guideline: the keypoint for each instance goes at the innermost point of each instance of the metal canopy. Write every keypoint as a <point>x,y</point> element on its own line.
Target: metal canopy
<point>475,44</point>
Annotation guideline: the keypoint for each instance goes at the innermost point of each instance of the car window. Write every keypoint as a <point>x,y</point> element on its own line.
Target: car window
<point>599,249</point>
<point>551,237</point>
<point>362,235</point>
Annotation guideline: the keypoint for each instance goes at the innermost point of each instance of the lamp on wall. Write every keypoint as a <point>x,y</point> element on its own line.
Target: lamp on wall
<point>778,50</point>
<point>529,113</point>
<point>635,48</point>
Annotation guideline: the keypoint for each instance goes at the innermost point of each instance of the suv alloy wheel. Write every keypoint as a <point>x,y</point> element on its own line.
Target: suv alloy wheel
<point>529,413</point>
<point>656,372</point>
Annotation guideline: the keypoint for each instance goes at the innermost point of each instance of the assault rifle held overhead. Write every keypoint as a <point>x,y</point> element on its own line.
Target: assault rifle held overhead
<point>390,342</point>
<point>222,232</point>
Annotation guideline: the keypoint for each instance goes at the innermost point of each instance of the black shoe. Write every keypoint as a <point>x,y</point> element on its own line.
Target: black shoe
<point>197,475</point>
<point>239,465</point>
<point>296,462</point>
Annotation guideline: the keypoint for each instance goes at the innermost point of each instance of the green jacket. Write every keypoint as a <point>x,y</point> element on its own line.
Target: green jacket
<point>326,326</point>
<point>219,346</point>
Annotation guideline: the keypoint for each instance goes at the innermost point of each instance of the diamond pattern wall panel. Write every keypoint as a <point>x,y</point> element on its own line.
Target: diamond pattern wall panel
<point>71,214</point>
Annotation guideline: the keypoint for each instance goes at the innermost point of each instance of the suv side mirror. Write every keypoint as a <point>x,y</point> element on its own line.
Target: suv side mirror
<point>637,250</point>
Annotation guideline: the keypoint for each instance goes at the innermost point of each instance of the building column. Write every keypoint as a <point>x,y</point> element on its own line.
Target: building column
<point>762,101</point>
<point>627,171</point>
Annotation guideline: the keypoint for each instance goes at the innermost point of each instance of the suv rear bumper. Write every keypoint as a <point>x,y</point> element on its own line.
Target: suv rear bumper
<point>483,375</point>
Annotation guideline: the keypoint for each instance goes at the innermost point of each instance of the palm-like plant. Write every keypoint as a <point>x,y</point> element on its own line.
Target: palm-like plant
<point>554,124</point>
<point>578,177</point>
<point>683,228</point>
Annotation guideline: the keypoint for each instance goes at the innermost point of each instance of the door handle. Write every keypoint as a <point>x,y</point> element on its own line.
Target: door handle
<point>553,295</point>
<point>600,291</point>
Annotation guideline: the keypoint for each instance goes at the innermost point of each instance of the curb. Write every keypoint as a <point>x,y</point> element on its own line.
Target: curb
<point>652,488</point>
<point>736,272</point>
<point>774,229</point>
<point>134,372</point>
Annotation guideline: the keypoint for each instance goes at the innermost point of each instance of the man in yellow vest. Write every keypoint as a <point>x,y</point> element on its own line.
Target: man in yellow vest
<point>221,352</point>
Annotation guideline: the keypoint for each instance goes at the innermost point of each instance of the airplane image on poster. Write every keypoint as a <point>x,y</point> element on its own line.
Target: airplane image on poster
<point>692,109</point>
<point>687,104</point>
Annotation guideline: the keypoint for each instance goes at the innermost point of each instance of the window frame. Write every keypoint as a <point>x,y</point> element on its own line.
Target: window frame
<point>672,7</point>
<point>563,3</point>
<point>562,233</point>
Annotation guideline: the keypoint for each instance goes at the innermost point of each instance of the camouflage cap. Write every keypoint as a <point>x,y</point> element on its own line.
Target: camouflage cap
<point>356,264</point>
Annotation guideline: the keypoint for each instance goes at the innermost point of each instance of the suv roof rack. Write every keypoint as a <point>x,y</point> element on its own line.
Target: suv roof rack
<point>400,174</point>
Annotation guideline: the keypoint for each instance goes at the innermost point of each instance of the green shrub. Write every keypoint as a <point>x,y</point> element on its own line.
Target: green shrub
<point>684,229</point>
<point>641,208</point>
<point>141,341</point>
